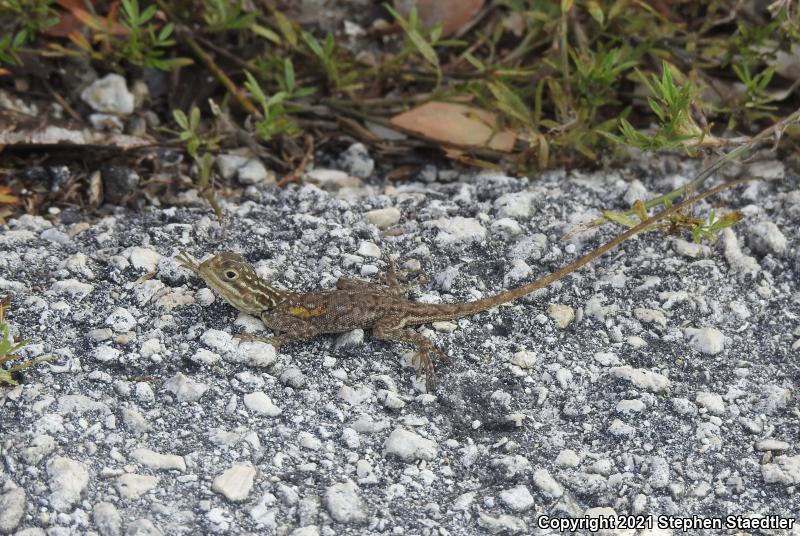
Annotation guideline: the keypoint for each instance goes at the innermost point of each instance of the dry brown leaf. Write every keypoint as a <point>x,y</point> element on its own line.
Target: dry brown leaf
<point>457,124</point>
<point>6,198</point>
<point>451,14</point>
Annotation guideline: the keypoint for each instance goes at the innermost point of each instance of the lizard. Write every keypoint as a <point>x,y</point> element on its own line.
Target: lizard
<point>297,316</point>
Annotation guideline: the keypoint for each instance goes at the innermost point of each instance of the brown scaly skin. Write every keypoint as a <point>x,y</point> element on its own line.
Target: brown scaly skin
<point>295,316</point>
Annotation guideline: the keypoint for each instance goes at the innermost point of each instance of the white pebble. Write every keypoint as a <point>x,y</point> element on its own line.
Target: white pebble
<point>236,483</point>
<point>261,404</point>
<point>383,218</point>
<point>68,480</point>
<point>344,504</point>
<point>109,94</point>
<point>409,446</point>
<point>706,340</point>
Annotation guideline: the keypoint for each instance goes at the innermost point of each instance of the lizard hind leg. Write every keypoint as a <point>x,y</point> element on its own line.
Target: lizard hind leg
<point>390,286</point>
<point>391,329</point>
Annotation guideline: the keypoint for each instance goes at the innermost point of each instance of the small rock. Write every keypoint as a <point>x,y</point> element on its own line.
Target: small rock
<point>40,447</point>
<point>144,259</point>
<point>344,504</point>
<point>155,460</point>
<point>520,271</point>
<point>106,354</point>
<point>357,161</point>
<point>771,170</point>
<point>390,399</point>
<point>711,401</point>
<point>144,393</point>
<point>651,316</point>
<point>506,228</point>
<point>332,179</point>
<point>659,473</point>
<point>110,95</point>
<point>293,377</point>
<point>308,441</point>
<point>409,446</point>
<point>369,249</point>
<point>229,164</point>
<point>12,508</point>
<point>502,524</point>
<point>55,236</point>
<point>706,340</point>
<point>641,378</point>
<point>383,218</point>
<point>184,389</point>
<point>349,339</point>
<point>354,396</point>
<point>260,403</point>
<point>517,205</point>
<point>135,421</point>
<point>235,483</point>
<point>547,484</point>
<point>107,519</point>
<point>254,172</point>
<point>142,527</point>
<point>458,232</point>
<point>690,249</point>
<point>737,260</point>
<point>133,486</point>
<point>121,320</point>
<point>119,182</point>
<point>784,470</point>
<point>68,480</point>
<point>518,498</point>
<point>562,315</point>
<point>766,238</point>
<point>772,445</point>
<point>568,458</point>
<point>636,192</point>
<point>524,359</point>
<point>72,288</point>
<point>621,429</point>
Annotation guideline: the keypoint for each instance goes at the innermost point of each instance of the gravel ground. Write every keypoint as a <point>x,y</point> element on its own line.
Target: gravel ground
<point>662,380</point>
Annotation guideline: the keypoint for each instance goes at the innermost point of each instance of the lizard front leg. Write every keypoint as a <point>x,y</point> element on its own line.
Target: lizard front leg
<point>392,329</point>
<point>287,329</point>
<point>391,284</point>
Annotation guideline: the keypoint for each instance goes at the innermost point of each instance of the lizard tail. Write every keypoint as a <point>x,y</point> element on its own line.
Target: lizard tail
<point>449,311</point>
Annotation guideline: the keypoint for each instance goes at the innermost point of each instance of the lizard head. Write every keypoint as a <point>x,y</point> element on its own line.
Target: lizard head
<point>232,278</point>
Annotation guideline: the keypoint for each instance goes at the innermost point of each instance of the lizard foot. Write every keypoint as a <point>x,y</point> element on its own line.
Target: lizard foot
<point>274,341</point>
<point>424,364</point>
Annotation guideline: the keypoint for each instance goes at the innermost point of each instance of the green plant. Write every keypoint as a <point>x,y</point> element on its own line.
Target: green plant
<point>711,227</point>
<point>189,134</point>
<point>275,119</point>
<point>145,43</point>
<point>137,38</point>
<point>21,21</point>
<point>224,15</point>
<point>755,96</point>
<point>339,75</point>
<point>8,347</point>
<point>672,104</point>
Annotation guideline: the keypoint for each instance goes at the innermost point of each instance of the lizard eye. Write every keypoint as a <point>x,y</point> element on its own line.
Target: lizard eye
<point>230,275</point>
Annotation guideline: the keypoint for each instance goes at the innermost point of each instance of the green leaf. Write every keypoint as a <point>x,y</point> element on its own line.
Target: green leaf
<point>410,27</point>
<point>288,74</point>
<point>266,33</point>
<point>313,44</point>
<point>286,27</point>
<point>181,119</point>
<point>475,62</point>
<point>620,218</point>
<point>509,102</point>
<point>596,11</point>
